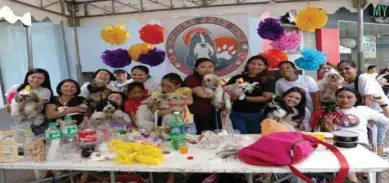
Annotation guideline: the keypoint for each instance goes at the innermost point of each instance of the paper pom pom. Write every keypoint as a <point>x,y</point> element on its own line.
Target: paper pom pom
<point>274,57</point>
<point>270,29</point>
<point>153,58</point>
<point>116,58</point>
<point>311,59</point>
<point>115,35</point>
<point>152,34</point>
<point>311,19</point>
<point>287,41</point>
<point>137,49</point>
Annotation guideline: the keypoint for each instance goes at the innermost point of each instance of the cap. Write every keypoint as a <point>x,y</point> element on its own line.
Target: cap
<point>52,123</point>
<point>123,69</point>
<point>68,118</point>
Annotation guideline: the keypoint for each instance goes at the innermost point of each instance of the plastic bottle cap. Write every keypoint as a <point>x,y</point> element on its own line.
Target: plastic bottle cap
<point>190,157</point>
<point>68,118</point>
<point>52,124</point>
<point>176,112</point>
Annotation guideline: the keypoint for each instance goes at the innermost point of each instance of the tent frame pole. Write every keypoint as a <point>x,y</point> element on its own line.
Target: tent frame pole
<point>73,9</point>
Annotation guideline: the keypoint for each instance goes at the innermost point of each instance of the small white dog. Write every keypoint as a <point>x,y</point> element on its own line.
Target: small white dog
<point>23,108</point>
<point>331,82</point>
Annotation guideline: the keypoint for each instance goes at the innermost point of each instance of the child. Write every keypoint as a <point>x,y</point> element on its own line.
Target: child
<point>121,80</point>
<point>137,95</point>
<point>171,85</point>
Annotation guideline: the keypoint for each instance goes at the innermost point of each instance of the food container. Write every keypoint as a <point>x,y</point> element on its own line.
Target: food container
<point>345,139</point>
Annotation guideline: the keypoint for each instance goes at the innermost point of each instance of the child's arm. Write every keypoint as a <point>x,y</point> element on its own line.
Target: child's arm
<point>133,119</point>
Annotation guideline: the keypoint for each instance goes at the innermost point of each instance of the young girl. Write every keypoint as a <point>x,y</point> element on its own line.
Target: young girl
<point>39,81</point>
<point>171,86</point>
<point>355,118</point>
<point>137,94</point>
<point>119,98</point>
<point>295,98</point>
<point>121,80</point>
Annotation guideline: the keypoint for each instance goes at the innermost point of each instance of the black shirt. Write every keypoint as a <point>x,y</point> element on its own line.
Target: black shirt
<point>74,102</point>
<point>244,106</point>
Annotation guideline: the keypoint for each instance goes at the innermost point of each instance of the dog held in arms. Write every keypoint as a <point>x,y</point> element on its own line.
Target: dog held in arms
<point>331,82</point>
<point>107,110</point>
<point>212,83</point>
<point>23,107</point>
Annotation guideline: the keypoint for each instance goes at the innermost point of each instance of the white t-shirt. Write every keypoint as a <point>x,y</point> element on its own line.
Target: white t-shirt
<point>43,93</point>
<point>305,82</point>
<point>151,85</point>
<point>369,86</point>
<point>357,121</point>
<point>84,92</point>
<point>115,86</point>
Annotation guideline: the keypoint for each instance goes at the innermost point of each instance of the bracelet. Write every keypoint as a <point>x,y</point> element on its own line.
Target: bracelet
<point>384,105</point>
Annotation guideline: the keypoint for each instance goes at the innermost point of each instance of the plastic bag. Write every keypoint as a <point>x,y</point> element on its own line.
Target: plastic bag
<point>8,147</point>
<point>130,153</point>
<point>34,148</point>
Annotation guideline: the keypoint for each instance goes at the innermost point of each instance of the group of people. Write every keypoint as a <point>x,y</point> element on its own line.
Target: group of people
<point>359,92</point>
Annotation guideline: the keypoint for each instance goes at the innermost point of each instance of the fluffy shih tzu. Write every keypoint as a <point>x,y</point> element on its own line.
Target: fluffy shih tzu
<point>108,110</point>
<point>23,108</point>
<point>331,82</point>
<point>278,110</point>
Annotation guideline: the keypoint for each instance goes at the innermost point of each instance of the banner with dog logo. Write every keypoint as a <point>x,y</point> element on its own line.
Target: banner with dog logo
<point>223,40</point>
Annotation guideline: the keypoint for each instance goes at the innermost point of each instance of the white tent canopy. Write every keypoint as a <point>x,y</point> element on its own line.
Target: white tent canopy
<point>120,11</point>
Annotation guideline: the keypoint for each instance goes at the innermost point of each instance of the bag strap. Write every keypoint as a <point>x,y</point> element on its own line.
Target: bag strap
<point>344,166</point>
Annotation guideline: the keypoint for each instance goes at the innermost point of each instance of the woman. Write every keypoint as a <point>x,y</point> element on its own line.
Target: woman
<point>245,115</point>
<point>290,79</point>
<point>368,87</point>
<point>140,74</point>
<point>295,98</point>
<point>355,118</point>
<point>121,80</point>
<point>383,79</point>
<point>39,82</point>
<point>204,114</point>
<point>97,89</point>
<point>66,103</point>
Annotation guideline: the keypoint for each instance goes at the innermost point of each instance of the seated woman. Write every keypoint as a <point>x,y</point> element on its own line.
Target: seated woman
<point>66,103</point>
<point>295,98</point>
<point>355,117</point>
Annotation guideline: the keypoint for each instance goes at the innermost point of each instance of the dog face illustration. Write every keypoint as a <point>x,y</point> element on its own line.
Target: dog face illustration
<point>201,46</point>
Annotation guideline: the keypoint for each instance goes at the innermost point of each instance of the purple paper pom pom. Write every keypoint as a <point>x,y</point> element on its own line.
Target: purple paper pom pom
<point>153,58</point>
<point>116,58</point>
<point>270,28</point>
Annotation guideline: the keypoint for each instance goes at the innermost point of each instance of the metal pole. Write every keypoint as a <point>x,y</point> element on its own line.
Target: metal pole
<point>360,38</point>
<point>76,48</point>
<point>29,47</point>
<point>68,67</point>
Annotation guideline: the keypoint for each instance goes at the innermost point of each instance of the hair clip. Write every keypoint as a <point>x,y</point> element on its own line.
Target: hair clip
<point>240,80</point>
<point>224,81</point>
<point>27,88</point>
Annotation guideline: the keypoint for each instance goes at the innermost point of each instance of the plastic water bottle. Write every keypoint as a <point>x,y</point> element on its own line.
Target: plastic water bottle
<point>69,133</point>
<point>177,132</point>
<point>53,138</point>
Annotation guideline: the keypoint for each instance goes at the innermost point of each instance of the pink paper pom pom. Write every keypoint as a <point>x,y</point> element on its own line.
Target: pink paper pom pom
<point>287,41</point>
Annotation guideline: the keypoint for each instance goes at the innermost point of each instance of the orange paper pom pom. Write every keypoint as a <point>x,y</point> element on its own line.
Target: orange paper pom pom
<point>274,57</point>
<point>152,34</point>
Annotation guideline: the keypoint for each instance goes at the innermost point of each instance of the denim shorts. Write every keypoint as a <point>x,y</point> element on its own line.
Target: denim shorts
<point>381,132</point>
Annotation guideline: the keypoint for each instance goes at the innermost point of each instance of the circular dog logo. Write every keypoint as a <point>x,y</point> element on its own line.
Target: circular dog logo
<point>207,37</point>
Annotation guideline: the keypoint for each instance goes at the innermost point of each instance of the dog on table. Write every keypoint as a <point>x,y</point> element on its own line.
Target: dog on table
<point>23,107</point>
<point>331,82</point>
<point>278,110</point>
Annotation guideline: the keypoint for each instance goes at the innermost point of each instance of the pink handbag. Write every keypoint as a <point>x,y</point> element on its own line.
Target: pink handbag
<point>286,149</point>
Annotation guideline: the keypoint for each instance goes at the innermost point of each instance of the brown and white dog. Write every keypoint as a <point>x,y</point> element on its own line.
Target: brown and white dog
<point>23,108</point>
<point>331,82</point>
